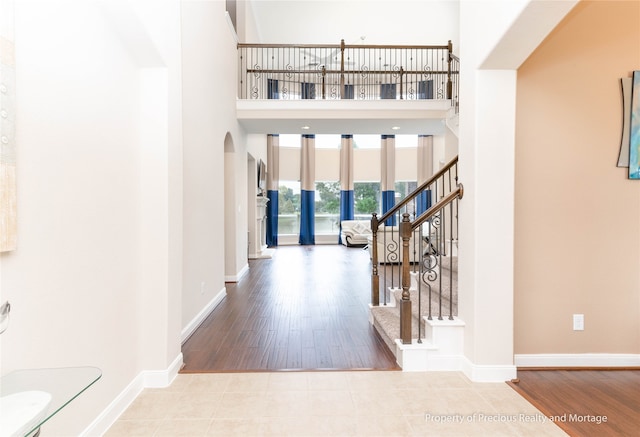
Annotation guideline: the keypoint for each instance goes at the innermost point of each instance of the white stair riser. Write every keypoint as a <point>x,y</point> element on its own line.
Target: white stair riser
<point>442,348</point>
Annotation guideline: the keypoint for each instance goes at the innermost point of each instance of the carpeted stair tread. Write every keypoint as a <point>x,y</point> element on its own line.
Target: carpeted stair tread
<point>424,311</point>
<point>386,320</point>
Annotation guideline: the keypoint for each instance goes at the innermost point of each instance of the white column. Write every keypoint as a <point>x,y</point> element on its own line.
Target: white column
<point>495,38</point>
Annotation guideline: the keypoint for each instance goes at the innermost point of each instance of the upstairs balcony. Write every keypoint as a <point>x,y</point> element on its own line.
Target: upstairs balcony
<point>347,88</point>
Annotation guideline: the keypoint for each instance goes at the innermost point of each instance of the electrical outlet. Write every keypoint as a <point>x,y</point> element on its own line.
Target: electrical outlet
<point>578,322</point>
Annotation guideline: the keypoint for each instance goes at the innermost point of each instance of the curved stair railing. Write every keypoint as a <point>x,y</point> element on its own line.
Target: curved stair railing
<point>414,253</point>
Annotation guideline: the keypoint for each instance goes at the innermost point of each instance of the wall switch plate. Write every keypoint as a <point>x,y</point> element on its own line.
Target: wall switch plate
<point>578,322</point>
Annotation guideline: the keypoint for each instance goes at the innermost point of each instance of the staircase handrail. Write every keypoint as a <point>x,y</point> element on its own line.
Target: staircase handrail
<point>433,210</point>
<point>418,190</point>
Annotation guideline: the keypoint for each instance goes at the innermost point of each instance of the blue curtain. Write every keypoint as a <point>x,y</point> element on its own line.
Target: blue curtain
<point>273,176</point>
<point>346,181</point>
<point>348,92</point>
<point>425,89</point>
<point>423,202</point>
<point>272,89</point>
<point>307,217</point>
<point>346,205</point>
<point>307,190</point>
<point>308,90</point>
<point>272,218</point>
<point>387,90</point>
<point>388,202</point>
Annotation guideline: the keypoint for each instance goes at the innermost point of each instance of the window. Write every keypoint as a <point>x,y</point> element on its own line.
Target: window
<point>403,189</point>
<point>289,208</point>
<point>366,141</point>
<point>366,197</point>
<point>406,141</point>
<point>327,214</point>
<point>290,140</point>
<point>328,141</point>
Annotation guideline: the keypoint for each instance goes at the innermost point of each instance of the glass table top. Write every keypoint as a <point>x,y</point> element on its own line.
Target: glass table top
<point>61,384</point>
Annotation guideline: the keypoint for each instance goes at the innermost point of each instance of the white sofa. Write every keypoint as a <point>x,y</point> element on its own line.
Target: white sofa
<point>355,232</point>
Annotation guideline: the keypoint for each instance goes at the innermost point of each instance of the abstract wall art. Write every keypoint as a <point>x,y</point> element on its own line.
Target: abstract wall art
<point>623,155</point>
<point>634,134</point>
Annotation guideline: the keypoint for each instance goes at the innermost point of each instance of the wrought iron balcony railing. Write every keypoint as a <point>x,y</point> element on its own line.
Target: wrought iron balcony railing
<point>358,72</point>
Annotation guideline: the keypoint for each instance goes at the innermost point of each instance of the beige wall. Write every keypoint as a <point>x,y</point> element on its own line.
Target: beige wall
<point>577,226</point>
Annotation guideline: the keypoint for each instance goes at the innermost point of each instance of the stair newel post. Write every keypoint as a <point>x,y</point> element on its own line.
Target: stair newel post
<point>405,302</point>
<point>375,278</point>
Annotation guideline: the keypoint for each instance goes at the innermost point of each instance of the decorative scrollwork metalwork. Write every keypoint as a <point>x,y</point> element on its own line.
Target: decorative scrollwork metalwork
<point>429,271</point>
<point>255,92</point>
<point>364,71</point>
<point>396,71</point>
<point>257,71</point>
<point>430,254</point>
<point>391,252</point>
<point>436,220</point>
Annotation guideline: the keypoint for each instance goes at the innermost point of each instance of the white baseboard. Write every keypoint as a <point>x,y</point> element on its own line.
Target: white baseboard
<point>145,379</point>
<point>235,278</point>
<point>199,318</point>
<point>163,378</point>
<point>577,360</point>
<point>487,373</point>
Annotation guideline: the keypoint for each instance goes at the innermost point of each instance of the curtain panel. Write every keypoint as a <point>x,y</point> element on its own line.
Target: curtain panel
<point>308,90</point>
<point>425,89</point>
<point>425,171</point>
<point>272,89</point>
<point>307,190</point>
<point>273,176</point>
<point>388,91</point>
<point>346,181</point>
<point>348,92</point>
<point>388,175</point>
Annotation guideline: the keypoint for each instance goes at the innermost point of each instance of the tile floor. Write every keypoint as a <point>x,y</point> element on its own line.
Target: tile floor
<point>365,403</point>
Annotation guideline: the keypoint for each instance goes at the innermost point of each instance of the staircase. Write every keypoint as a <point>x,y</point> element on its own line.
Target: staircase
<point>417,277</point>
